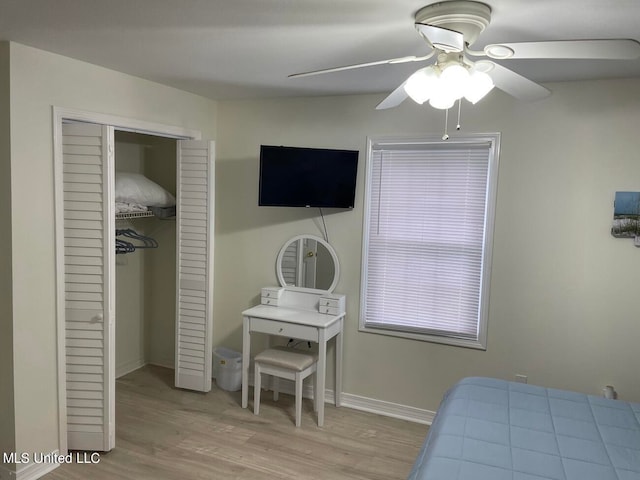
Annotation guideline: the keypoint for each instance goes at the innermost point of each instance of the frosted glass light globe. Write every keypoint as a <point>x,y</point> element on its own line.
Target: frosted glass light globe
<point>442,102</point>
<point>454,79</point>
<point>442,97</point>
<point>420,85</point>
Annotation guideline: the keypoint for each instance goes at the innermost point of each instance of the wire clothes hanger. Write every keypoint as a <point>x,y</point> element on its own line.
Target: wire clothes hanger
<point>125,246</point>
<point>122,246</point>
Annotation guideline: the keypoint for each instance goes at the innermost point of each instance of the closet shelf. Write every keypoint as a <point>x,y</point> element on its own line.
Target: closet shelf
<point>124,216</point>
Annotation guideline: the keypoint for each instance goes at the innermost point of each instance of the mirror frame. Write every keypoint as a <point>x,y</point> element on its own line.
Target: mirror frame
<point>332,252</point>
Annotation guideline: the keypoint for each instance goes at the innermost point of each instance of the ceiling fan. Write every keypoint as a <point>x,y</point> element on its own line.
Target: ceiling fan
<point>450,28</point>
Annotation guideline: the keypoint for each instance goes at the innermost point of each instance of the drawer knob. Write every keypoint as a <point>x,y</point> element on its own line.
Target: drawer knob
<point>268,301</point>
<point>280,329</point>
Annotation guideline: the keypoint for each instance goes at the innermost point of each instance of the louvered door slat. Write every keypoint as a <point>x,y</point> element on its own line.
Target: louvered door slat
<point>90,406</point>
<point>290,264</point>
<point>195,265</point>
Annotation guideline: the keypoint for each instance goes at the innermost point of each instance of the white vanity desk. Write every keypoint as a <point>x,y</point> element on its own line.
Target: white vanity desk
<point>302,308</point>
<point>297,315</point>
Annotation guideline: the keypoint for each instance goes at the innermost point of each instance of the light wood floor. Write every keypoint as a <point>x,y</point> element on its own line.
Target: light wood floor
<point>165,433</point>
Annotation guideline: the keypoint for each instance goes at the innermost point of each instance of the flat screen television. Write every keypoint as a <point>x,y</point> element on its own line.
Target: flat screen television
<point>307,177</point>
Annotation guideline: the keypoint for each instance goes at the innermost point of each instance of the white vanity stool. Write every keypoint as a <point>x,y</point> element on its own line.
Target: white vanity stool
<point>287,363</point>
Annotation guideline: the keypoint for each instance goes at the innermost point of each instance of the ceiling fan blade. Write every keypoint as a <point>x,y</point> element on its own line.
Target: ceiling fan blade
<point>394,99</point>
<point>442,38</point>
<point>411,58</point>
<point>567,49</point>
<point>515,84</point>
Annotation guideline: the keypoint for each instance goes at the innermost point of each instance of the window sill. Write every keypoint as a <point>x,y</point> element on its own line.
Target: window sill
<point>455,342</point>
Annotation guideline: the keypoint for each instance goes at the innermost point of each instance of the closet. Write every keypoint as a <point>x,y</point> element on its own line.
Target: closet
<point>145,277</point>
<point>150,305</point>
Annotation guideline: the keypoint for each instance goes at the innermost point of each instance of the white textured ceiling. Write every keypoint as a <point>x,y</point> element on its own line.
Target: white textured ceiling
<point>246,48</point>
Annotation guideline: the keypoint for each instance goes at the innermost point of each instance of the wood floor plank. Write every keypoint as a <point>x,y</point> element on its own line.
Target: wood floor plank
<point>163,433</point>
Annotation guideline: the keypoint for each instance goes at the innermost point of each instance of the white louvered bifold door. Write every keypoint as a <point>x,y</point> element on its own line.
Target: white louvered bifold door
<point>89,303</point>
<point>290,262</point>
<point>194,316</point>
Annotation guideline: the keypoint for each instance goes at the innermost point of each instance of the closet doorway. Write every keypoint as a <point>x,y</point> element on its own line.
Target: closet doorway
<point>86,151</point>
<point>145,272</point>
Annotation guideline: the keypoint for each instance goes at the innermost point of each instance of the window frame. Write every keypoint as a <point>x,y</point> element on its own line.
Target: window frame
<point>489,225</point>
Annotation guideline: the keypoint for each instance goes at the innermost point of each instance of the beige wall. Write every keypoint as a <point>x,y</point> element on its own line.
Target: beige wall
<point>40,80</point>
<point>563,291</point>
<point>160,266</point>
<point>7,425</point>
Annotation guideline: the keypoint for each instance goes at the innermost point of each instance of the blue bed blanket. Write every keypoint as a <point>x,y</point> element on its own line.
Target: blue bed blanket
<point>489,429</point>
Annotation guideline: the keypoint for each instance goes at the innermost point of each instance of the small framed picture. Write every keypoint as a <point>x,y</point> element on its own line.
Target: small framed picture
<point>626,213</point>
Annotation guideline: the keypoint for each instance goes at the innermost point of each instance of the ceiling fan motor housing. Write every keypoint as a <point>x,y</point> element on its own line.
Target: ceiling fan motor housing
<point>466,17</point>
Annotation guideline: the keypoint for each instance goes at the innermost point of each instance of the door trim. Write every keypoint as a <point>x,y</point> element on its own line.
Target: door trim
<point>60,115</point>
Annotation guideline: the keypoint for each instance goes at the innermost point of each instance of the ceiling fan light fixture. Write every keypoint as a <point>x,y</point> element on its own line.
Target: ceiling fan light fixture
<point>442,84</point>
<point>450,27</point>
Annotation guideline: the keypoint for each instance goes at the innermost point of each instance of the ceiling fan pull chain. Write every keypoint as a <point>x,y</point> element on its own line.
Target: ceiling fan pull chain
<point>458,126</point>
<point>446,121</point>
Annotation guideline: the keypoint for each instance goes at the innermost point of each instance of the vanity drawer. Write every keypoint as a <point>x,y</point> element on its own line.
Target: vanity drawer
<point>332,304</point>
<point>273,301</point>
<point>284,329</point>
<point>271,292</point>
<point>271,296</point>
<point>329,310</point>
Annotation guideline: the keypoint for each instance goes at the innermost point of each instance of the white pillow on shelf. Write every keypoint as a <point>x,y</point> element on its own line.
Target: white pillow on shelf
<point>136,188</point>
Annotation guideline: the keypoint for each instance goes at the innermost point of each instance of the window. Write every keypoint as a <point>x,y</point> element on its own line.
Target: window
<point>429,208</point>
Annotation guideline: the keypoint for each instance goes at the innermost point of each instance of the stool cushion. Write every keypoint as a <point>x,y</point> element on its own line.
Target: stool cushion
<point>284,357</point>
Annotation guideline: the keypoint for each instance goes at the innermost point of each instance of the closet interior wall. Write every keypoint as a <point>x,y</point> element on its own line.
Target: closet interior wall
<point>146,278</point>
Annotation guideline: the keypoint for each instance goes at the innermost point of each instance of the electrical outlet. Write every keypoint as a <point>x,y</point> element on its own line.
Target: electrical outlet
<point>521,378</point>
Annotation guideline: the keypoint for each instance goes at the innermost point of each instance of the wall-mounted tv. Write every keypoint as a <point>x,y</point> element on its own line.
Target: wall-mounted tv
<point>307,177</point>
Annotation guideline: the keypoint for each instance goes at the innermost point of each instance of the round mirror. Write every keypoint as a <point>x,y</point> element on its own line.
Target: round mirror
<point>308,261</point>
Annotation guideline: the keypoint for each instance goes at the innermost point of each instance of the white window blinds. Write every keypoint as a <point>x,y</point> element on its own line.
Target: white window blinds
<point>426,237</point>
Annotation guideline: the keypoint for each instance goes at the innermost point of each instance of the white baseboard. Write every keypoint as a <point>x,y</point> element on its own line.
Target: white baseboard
<point>29,471</point>
<point>166,363</point>
<point>134,365</point>
<point>129,367</point>
<point>388,409</point>
<point>356,402</point>
<point>365,404</point>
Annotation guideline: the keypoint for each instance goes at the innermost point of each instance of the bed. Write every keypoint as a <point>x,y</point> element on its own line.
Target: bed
<point>489,429</point>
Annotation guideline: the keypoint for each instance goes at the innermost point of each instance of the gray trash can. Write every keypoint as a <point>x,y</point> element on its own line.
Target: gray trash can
<point>227,368</point>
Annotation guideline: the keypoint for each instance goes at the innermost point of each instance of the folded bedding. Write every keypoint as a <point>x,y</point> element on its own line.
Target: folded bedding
<point>122,207</point>
<point>489,429</point>
<point>134,188</point>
